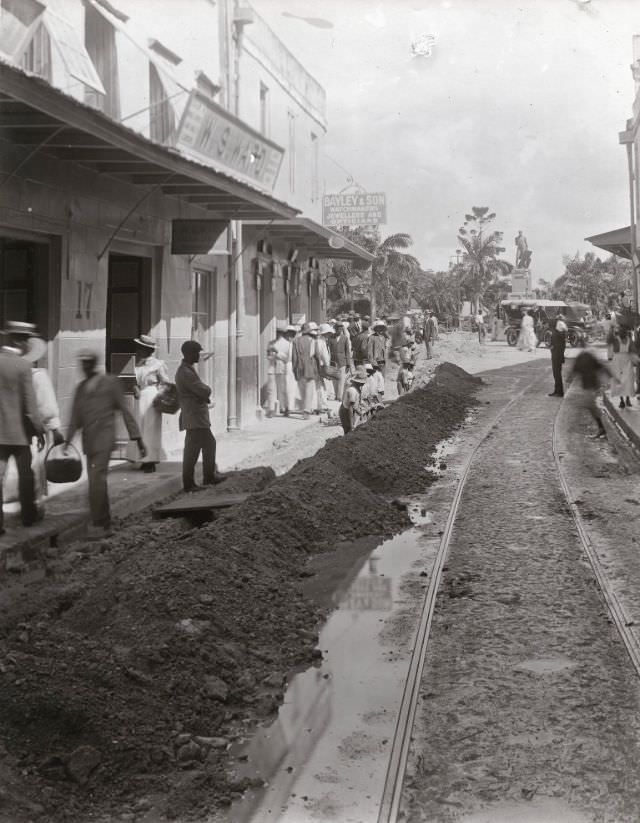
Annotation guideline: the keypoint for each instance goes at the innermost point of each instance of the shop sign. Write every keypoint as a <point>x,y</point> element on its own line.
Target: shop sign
<point>298,319</point>
<point>212,136</point>
<point>356,209</point>
<point>195,236</point>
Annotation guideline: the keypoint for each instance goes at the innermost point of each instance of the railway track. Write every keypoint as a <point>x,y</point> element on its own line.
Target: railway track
<point>393,784</point>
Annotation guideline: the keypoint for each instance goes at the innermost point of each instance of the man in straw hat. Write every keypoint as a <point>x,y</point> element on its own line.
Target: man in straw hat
<point>305,365</point>
<point>377,345</point>
<point>19,417</point>
<point>279,356</point>
<point>351,400</point>
<point>96,400</point>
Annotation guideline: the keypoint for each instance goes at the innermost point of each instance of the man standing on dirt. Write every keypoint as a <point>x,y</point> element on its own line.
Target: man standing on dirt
<point>95,403</point>
<point>377,345</point>
<point>341,357</point>
<point>558,346</point>
<point>361,345</point>
<point>305,365</point>
<point>430,333</point>
<point>194,397</point>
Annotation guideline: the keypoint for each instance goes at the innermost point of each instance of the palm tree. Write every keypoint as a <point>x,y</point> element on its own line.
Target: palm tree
<point>392,272</point>
<point>480,265</point>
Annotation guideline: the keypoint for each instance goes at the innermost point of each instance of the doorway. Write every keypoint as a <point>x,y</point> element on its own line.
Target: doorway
<point>128,313</point>
<point>24,282</point>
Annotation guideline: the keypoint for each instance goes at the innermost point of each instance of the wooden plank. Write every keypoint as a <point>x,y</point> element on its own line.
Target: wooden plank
<point>199,502</point>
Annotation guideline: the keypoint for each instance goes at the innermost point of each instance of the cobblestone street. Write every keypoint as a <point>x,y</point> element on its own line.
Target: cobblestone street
<point>529,703</point>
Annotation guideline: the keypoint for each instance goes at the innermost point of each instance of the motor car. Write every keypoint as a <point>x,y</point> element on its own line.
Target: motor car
<point>544,313</point>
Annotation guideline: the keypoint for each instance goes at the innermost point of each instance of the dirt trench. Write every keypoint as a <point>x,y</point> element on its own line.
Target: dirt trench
<point>125,675</point>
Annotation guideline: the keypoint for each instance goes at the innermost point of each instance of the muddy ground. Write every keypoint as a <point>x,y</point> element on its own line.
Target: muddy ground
<point>127,672</point>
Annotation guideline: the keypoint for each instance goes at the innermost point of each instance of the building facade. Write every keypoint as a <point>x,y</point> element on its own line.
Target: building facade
<point>142,192</point>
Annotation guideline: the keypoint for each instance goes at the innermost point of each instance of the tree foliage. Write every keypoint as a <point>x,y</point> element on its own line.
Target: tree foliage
<point>480,266</point>
<point>591,280</point>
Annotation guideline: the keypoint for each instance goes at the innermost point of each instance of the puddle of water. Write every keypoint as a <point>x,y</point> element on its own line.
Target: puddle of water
<point>326,754</point>
<point>545,810</point>
<point>545,665</point>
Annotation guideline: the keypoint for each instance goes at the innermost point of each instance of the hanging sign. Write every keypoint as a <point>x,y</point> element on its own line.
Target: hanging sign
<point>195,236</point>
<point>211,135</point>
<point>355,209</point>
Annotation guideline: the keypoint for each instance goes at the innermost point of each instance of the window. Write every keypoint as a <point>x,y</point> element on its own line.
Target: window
<point>37,55</point>
<point>201,314</point>
<point>292,151</point>
<point>100,40</point>
<point>264,109</point>
<point>162,119</point>
<point>315,148</point>
<point>16,18</point>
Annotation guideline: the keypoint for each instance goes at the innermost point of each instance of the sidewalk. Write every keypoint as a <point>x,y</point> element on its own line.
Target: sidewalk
<point>131,490</point>
<point>627,419</point>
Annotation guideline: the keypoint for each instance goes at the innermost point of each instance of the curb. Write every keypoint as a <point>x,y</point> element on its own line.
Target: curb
<point>621,421</point>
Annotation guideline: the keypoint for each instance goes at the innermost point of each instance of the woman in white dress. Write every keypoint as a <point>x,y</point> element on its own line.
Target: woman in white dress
<point>624,359</point>
<point>151,373</point>
<point>527,338</point>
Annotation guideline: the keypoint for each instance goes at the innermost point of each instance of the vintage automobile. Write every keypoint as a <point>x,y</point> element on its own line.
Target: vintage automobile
<point>544,312</point>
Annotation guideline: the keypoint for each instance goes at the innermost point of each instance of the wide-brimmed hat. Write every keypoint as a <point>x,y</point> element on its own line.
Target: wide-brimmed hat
<point>36,349</point>
<point>145,341</point>
<point>310,327</point>
<point>360,376</point>
<point>281,326</point>
<point>367,367</point>
<point>379,324</point>
<point>292,328</point>
<point>88,354</point>
<point>325,328</point>
<point>18,327</point>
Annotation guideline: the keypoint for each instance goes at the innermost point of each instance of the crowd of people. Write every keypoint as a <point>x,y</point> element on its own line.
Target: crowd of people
<point>29,410</point>
<point>345,359</point>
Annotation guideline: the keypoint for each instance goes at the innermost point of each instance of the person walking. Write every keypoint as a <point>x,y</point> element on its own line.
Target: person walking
<point>429,334</point>
<point>47,405</point>
<point>151,374</point>
<point>351,399</point>
<point>305,365</point>
<point>96,400</point>
<point>591,371</point>
<point>194,397</point>
<point>279,355</point>
<point>622,367</point>
<point>527,338</point>
<point>20,420</point>
<point>341,357</point>
<point>480,324</point>
<point>377,345</point>
<point>558,346</point>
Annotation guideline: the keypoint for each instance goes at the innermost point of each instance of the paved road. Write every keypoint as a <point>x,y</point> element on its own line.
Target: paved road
<point>529,706</point>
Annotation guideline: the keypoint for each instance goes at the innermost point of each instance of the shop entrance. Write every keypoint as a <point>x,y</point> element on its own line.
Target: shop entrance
<point>128,313</point>
<point>24,282</point>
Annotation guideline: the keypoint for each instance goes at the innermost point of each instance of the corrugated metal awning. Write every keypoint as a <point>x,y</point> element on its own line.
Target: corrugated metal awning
<point>317,241</point>
<point>616,242</point>
<point>41,119</point>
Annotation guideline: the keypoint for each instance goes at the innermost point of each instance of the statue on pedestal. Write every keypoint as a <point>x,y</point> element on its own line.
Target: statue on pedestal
<point>523,255</point>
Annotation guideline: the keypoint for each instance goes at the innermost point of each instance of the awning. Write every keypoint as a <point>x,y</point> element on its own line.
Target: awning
<point>317,241</point>
<point>40,118</point>
<point>616,242</point>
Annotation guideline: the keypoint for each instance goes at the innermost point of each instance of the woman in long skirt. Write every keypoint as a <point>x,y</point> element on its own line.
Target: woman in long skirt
<point>527,338</point>
<point>151,373</point>
<point>624,359</point>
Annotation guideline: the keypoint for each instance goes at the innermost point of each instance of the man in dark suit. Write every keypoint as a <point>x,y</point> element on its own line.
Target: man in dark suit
<point>194,398</point>
<point>19,418</point>
<point>97,399</point>
<point>558,346</point>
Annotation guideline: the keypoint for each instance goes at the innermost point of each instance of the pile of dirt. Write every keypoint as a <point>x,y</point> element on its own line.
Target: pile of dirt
<point>127,674</point>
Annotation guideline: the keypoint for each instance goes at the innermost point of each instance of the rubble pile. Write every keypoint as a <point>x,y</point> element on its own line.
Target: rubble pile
<point>126,674</point>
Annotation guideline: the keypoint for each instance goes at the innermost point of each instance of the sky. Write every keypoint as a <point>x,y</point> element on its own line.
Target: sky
<point>518,108</point>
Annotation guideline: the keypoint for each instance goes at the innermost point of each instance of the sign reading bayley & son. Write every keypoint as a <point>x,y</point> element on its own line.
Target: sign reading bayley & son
<point>355,209</point>
<point>212,136</point>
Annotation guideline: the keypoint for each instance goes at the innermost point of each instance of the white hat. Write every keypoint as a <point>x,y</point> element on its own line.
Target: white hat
<point>310,327</point>
<point>36,349</point>
<point>281,325</point>
<point>294,329</point>
<point>379,324</point>
<point>367,366</point>
<point>325,328</point>
<point>145,341</point>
